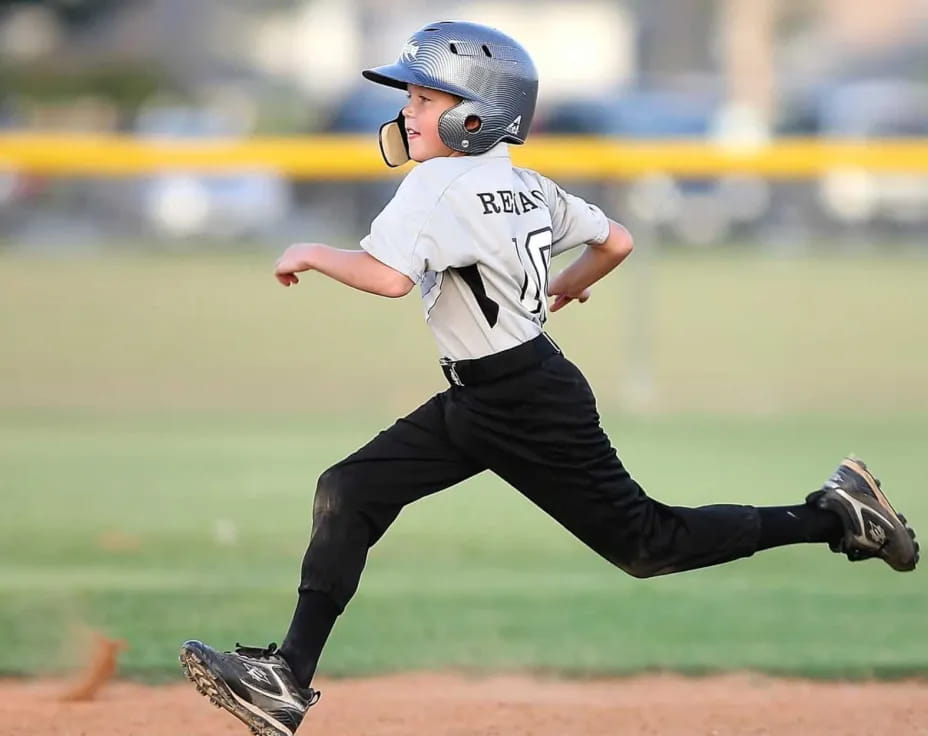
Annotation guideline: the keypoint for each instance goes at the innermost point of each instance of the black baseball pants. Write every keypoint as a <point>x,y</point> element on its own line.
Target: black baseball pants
<point>538,429</point>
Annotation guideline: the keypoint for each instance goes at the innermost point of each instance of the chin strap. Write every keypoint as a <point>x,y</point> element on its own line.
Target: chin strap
<point>394,145</point>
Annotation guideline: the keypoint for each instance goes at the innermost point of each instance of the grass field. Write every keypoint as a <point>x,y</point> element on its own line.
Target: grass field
<point>163,419</point>
<point>727,333</point>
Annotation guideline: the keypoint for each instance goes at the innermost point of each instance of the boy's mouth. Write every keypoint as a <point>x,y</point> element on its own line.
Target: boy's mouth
<point>411,133</point>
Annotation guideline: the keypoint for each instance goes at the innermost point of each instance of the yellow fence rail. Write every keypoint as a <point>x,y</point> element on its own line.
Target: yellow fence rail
<point>357,157</point>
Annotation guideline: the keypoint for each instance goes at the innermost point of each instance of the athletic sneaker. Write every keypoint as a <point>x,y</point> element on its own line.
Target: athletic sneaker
<point>255,685</point>
<point>872,528</point>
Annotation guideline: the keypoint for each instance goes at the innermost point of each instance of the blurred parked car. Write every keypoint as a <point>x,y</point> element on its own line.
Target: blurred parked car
<point>871,110</point>
<point>364,108</point>
<point>186,204</point>
<point>696,211</point>
<point>361,111</point>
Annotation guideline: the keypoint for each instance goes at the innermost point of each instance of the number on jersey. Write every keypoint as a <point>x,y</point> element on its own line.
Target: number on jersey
<point>535,255</point>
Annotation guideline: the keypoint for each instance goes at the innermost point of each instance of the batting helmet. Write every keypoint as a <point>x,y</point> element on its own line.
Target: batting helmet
<point>490,71</point>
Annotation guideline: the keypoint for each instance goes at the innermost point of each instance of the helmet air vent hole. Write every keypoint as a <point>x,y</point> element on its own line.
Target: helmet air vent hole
<point>454,48</point>
<point>431,29</point>
<point>472,123</point>
<point>486,51</point>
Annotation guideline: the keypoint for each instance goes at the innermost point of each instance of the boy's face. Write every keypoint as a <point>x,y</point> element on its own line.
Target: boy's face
<point>422,110</point>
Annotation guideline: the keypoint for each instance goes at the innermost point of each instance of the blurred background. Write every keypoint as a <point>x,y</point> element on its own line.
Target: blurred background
<point>706,69</point>
<point>165,407</point>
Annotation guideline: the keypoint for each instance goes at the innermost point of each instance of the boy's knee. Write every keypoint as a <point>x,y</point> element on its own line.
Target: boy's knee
<point>345,504</point>
<point>331,491</point>
<point>340,490</point>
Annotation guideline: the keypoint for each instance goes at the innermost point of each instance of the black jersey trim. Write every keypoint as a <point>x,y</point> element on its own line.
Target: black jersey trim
<point>472,278</point>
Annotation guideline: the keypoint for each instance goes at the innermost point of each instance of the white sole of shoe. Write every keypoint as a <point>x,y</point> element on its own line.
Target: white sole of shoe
<point>222,696</point>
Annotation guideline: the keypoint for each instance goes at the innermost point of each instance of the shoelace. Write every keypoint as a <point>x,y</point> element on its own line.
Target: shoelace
<point>271,650</point>
<point>257,652</point>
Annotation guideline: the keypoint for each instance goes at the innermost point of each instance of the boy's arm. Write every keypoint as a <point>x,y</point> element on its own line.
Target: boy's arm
<point>594,263</point>
<point>355,268</point>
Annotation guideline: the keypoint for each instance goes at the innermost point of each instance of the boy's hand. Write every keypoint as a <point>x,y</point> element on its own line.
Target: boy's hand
<point>562,300</point>
<point>293,260</point>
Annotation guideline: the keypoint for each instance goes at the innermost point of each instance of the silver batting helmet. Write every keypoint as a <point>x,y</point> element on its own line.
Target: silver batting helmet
<point>490,71</point>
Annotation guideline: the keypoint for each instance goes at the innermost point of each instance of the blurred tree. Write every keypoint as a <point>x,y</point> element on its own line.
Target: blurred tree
<point>126,86</point>
<point>73,12</point>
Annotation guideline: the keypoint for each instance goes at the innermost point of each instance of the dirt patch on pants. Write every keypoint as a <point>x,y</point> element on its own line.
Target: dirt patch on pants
<point>455,705</point>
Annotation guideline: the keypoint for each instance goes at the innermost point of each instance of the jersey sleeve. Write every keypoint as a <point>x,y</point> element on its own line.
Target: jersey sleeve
<point>395,231</point>
<point>418,230</point>
<point>574,221</point>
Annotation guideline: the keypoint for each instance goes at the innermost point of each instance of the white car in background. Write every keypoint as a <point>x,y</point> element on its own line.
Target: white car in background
<point>871,110</point>
<point>226,205</point>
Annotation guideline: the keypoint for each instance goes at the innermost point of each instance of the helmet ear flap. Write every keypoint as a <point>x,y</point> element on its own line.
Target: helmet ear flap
<point>394,144</point>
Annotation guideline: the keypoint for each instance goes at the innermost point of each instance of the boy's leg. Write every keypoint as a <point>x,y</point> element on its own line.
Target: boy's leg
<point>540,432</point>
<point>797,524</point>
<point>356,501</point>
<point>567,466</point>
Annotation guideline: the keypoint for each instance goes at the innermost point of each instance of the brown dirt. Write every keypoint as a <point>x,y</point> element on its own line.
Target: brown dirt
<point>454,705</point>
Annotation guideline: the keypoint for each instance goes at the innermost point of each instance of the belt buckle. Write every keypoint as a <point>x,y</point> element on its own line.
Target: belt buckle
<point>452,371</point>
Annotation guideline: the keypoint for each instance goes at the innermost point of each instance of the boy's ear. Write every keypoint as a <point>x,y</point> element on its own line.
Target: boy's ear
<point>394,145</point>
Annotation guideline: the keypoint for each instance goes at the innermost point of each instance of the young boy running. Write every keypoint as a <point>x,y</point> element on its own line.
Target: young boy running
<point>477,235</point>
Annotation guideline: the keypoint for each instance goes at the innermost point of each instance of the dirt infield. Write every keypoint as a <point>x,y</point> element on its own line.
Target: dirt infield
<point>454,705</point>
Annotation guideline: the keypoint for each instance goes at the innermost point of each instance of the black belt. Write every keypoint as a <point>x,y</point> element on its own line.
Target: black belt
<point>499,365</point>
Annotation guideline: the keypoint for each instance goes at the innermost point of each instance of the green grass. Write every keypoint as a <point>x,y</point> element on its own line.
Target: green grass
<point>181,408</point>
<point>474,578</point>
<point>726,333</point>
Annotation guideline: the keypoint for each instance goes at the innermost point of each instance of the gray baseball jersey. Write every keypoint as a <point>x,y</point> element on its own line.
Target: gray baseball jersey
<point>477,235</point>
